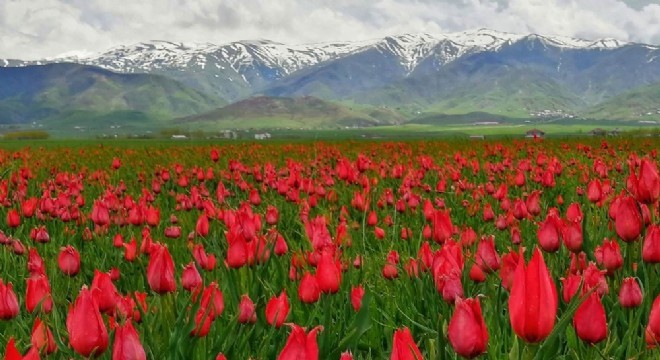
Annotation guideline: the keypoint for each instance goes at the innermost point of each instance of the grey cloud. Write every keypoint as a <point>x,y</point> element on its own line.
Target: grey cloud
<point>38,28</point>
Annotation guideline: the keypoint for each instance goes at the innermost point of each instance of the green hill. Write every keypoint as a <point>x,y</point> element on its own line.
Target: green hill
<point>304,112</point>
<point>64,93</point>
<point>639,104</point>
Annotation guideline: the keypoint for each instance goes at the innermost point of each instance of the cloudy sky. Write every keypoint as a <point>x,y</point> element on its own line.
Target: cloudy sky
<point>31,29</point>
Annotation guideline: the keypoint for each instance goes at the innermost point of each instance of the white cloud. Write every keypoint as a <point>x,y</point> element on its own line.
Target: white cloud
<point>39,28</point>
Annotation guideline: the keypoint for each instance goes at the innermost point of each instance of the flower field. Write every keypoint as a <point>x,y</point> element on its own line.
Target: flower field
<point>331,250</point>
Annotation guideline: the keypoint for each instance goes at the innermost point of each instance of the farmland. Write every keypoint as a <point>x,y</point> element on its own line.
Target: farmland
<point>519,249</point>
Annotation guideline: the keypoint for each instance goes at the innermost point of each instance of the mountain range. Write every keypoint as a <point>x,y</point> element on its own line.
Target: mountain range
<point>476,71</point>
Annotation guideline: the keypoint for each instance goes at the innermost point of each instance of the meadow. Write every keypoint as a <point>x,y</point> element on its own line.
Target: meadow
<point>496,249</point>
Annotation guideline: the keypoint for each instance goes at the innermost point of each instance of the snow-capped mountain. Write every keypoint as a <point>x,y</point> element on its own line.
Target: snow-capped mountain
<point>339,69</point>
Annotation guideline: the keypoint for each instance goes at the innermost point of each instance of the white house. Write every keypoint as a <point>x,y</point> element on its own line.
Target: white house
<point>263,136</point>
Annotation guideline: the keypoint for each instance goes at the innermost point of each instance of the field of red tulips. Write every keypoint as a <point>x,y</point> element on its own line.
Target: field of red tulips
<point>320,250</point>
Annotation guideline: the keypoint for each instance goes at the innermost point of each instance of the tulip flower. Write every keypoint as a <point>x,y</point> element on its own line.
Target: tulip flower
<point>357,293</point>
<point>277,309</point>
<point>13,218</point>
<point>487,257</point>
<point>549,234</point>
<point>570,286</point>
<point>308,290</point>
<point>8,302</point>
<point>589,321</point>
<point>467,330</point>
<point>630,294</point>
<point>609,255</point>
<point>42,338</point>
<point>35,264</point>
<point>301,345</point>
<point>404,347</point>
<point>442,226</point>
<point>648,182</point>
<point>533,301</point>
<point>100,214</point>
<point>202,226</point>
<point>628,222</point>
<point>69,261</point>
<point>654,322</point>
<point>572,236</point>
<point>11,352</point>
<point>87,332</point>
<point>651,246</point>
<point>190,278</point>
<point>38,295</point>
<point>127,345</point>
<point>246,310</point>
<point>328,272</point>
<point>104,291</point>
<point>160,271</point>
<point>347,355</point>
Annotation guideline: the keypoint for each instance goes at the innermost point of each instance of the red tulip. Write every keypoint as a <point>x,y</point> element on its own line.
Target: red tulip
<point>357,293</point>
<point>69,261</point>
<point>442,226</point>
<point>277,309</point>
<point>533,300</point>
<point>328,272</point>
<point>8,302</point>
<point>594,191</point>
<point>509,265</point>
<point>212,302</point>
<point>572,236</point>
<point>11,352</point>
<point>272,215</point>
<point>476,274</point>
<point>549,233</point>
<point>202,226</point>
<point>87,332</point>
<point>653,329</point>
<point>628,222</point>
<point>651,247</point>
<point>100,214</point>
<point>35,264</point>
<point>390,271</point>
<point>190,278</point>
<point>237,253</point>
<point>412,268</point>
<point>404,347</point>
<point>42,338</point>
<point>29,206</point>
<point>38,294</point>
<point>574,213</point>
<point>116,163</point>
<point>609,255</point>
<point>127,345</point>
<point>104,291</point>
<point>594,277</point>
<point>246,311</point>
<point>160,271</point>
<point>301,345</point>
<point>533,203</point>
<point>630,294</point>
<point>13,218</point>
<point>308,290</point>
<point>215,155</point>
<point>589,321</point>
<point>487,257</point>
<point>347,355</point>
<point>570,286</point>
<point>467,330</point>
<point>648,183</point>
